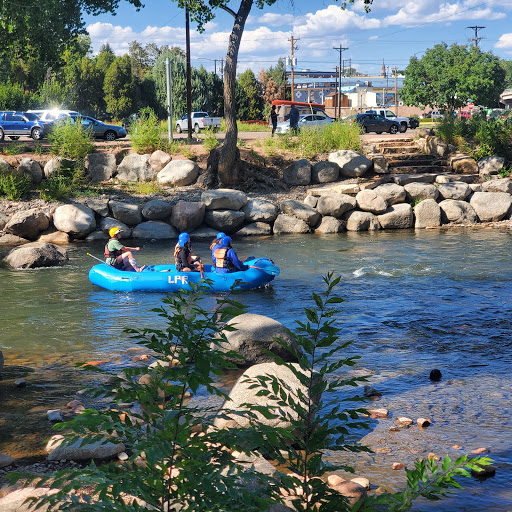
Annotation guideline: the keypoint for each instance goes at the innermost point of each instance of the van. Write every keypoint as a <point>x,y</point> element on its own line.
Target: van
<point>283,108</point>
<point>52,115</point>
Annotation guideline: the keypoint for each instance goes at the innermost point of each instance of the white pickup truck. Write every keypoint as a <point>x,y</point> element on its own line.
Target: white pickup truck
<point>405,122</point>
<point>200,120</point>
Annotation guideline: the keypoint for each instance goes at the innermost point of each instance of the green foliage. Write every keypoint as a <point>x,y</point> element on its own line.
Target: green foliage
<point>15,148</point>
<point>13,97</point>
<point>119,87</point>
<point>13,185</point>
<point>56,187</point>
<point>505,172</point>
<point>147,135</point>
<point>313,141</point>
<point>71,140</point>
<point>448,77</point>
<point>248,99</point>
<point>53,93</point>
<point>210,140</point>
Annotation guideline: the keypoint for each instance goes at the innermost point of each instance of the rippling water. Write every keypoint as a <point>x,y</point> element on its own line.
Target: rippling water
<point>414,301</point>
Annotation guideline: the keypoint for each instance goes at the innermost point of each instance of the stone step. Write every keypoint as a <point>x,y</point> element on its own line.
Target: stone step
<point>412,162</point>
<point>420,169</point>
<point>393,150</point>
<point>404,179</point>
<point>416,157</point>
<point>395,141</point>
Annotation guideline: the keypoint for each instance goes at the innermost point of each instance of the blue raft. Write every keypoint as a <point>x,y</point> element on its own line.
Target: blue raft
<point>165,278</point>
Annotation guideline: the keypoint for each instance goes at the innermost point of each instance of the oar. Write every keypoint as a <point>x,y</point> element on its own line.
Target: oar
<point>89,254</point>
<point>273,271</point>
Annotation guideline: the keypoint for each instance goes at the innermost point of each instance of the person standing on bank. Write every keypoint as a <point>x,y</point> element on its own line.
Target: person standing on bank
<point>225,258</point>
<point>273,119</point>
<point>119,256</point>
<point>185,259</point>
<point>294,119</point>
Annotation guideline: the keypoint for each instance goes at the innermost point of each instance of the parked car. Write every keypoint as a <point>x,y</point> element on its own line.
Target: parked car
<point>404,122</point>
<point>100,130</point>
<point>18,124</point>
<point>130,120</point>
<point>414,122</point>
<point>51,115</point>
<point>374,123</point>
<point>200,120</point>
<point>305,121</point>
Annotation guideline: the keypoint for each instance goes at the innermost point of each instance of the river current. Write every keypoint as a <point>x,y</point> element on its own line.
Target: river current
<point>414,301</point>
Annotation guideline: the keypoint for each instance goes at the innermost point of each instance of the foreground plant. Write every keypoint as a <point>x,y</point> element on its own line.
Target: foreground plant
<point>178,460</point>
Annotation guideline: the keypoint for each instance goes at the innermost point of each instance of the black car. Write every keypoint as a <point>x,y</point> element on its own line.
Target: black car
<point>375,123</point>
<point>413,123</point>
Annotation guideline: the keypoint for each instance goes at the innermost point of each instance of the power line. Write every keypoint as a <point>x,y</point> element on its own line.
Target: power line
<point>476,38</point>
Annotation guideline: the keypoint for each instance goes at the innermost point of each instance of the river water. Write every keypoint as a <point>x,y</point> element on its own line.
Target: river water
<point>415,300</point>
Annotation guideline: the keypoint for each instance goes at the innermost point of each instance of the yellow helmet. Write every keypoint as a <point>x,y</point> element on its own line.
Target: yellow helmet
<point>113,232</point>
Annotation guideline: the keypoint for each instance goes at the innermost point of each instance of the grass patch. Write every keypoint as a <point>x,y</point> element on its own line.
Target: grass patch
<point>16,148</point>
<point>311,141</point>
<point>13,185</point>
<point>246,126</point>
<point>210,141</point>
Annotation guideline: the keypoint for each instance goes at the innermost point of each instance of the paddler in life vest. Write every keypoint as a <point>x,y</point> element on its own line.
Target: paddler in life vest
<point>186,260</point>
<point>225,258</point>
<point>119,256</point>
<point>216,240</point>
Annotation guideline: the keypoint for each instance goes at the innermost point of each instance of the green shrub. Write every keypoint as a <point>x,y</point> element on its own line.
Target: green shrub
<point>15,148</point>
<point>178,460</point>
<point>210,141</point>
<point>71,140</point>
<point>56,187</point>
<point>147,136</point>
<point>13,185</point>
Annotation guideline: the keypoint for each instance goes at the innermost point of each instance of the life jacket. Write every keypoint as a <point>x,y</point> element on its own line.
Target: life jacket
<point>111,254</point>
<point>220,259</point>
<point>177,250</point>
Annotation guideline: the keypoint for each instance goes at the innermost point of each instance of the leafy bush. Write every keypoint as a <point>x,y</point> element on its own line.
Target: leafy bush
<point>14,185</point>
<point>210,141</point>
<point>146,135</point>
<point>56,187</point>
<point>178,460</point>
<point>71,140</point>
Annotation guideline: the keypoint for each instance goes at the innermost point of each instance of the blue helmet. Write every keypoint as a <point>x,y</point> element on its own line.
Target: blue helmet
<point>183,239</point>
<point>225,241</point>
<point>220,235</point>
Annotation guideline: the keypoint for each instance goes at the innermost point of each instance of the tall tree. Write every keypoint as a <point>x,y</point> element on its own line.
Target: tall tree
<point>507,66</point>
<point>448,77</point>
<point>250,104</point>
<point>227,162</point>
<point>119,87</point>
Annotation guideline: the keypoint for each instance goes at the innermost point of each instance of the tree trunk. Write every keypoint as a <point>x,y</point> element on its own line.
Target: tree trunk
<point>229,161</point>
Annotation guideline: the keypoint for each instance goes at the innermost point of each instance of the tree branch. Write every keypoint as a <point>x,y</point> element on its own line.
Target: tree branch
<point>228,10</point>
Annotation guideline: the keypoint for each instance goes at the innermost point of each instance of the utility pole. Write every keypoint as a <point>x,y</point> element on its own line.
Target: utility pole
<point>189,76</point>
<point>339,49</point>
<point>294,47</point>
<point>476,38</point>
<point>335,91</point>
<point>169,97</point>
<point>396,97</point>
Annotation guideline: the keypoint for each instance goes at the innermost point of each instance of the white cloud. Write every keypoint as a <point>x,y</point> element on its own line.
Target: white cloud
<point>271,19</point>
<point>505,41</point>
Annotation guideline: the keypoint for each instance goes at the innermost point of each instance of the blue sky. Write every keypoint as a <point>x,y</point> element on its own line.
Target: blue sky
<point>393,31</point>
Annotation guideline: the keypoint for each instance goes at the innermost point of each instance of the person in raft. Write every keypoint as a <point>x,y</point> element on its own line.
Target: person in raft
<point>119,256</point>
<point>225,258</point>
<point>185,259</point>
<point>216,240</point>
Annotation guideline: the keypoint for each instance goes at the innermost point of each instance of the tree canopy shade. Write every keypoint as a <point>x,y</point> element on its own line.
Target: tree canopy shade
<point>448,77</point>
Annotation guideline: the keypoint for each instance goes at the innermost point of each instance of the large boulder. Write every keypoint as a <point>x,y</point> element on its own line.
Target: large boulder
<point>228,221</point>
<point>135,167</point>
<point>108,223</point>
<point>391,192</point>
<point>352,163</point>
<point>500,185</point>
<point>457,190</point>
<point>301,211</point>
<point>52,166</point>
<point>31,168</point>
<point>4,166</point>
<point>421,191</point>
<point>60,449</point>
<point>156,209</point>
<point>361,221</point>
<point>99,205</point>
<point>398,216</point>
<point>464,165</point>
<point>255,229</point>
<point>335,205</point>
<point>427,214</point>
<point>254,335</point>
<point>490,165</point>
<point>242,393</point>
<point>154,229</point>
<point>289,224</point>
<point>100,166</point>
<point>187,215</point>
<point>299,173</point>
<point>35,255</point>
<point>4,219</point>
<point>159,159</point>
<point>223,199</point>
<point>325,172</point>
<point>491,206</point>
<point>17,500</point>
<point>75,219</point>
<point>259,210</point>
<point>178,173</point>
<point>127,213</point>
<point>369,201</point>
<point>457,212</point>
<point>53,236</point>
<point>13,240</point>
<point>331,225</point>
<point>28,224</point>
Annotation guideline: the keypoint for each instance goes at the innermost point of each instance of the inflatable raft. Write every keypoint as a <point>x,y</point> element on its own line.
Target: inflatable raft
<point>165,278</point>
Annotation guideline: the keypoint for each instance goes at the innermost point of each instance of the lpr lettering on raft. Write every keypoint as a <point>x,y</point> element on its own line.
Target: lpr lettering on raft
<point>175,279</point>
